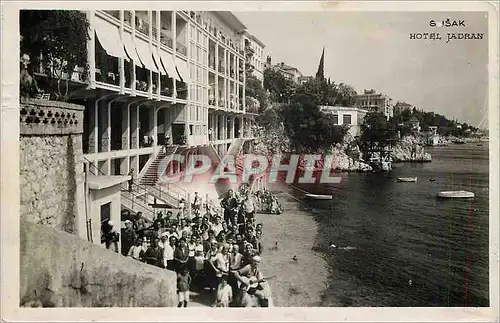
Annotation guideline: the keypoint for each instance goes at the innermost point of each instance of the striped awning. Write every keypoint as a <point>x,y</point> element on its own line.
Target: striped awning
<point>156,57</point>
<point>130,47</point>
<point>109,37</point>
<point>168,63</point>
<point>145,55</point>
<point>182,69</point>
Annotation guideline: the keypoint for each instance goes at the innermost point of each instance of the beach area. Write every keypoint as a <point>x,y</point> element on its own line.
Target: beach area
<point>293,283</point>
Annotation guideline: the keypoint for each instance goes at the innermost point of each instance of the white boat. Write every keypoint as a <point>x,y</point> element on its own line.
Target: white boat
<point>407,179</point>
<point>319,196</point>
<point>455,194</point>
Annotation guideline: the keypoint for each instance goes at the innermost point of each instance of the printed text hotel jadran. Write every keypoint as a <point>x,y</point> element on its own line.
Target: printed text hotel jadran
<point>451,31</point>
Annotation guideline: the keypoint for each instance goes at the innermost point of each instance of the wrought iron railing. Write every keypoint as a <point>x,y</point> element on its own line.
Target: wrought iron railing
<point>114,13</point>
<point>181,48</point>
<point>128,18</point>
<point>166,39</point>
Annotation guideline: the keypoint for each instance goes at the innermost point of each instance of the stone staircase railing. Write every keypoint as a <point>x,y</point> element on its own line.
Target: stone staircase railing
<point>150,176</point>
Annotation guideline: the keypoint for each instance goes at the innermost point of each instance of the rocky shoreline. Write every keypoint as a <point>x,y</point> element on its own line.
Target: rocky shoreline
<point>410,149</point>
<point>407,149</point>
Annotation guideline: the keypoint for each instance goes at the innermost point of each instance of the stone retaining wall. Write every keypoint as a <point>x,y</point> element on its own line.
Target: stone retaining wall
<point>51,164</point>
<point>58,269</point>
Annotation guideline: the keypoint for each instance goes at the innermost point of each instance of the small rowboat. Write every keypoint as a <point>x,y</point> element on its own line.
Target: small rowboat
<point>318,196</point>
<point>407,179</point>
<point>455,194</point>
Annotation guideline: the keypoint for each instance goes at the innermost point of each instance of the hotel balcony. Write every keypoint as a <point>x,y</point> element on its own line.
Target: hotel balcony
<point>166,38</point>
<point>127,18</point>
<point>114,13</point>
<point>141,25</point>
<point>181,48</point>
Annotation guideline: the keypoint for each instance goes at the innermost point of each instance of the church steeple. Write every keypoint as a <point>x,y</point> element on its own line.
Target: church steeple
<point>320,74</point>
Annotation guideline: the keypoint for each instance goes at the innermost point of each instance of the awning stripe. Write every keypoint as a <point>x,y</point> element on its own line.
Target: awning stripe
<point>156,57</point>
<point>145,55</point>
<point>130,47</point>
<point>168,63</point>
<point>183,71</point>
<point>109,37</point>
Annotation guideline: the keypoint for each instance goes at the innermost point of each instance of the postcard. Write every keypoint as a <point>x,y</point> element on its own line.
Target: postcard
<point>319,161</point>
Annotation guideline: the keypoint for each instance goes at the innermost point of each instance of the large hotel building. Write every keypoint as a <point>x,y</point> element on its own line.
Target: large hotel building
<point>158,76</point>
<point>160,83</point>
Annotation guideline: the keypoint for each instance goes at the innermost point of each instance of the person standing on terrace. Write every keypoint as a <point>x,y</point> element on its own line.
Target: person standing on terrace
<point>181,255</point>
<point>128,237</point>
<point>249,207</point>
<point>136,250</point>
<point>154,254</point>
<point>131,180</point>
<point>183,286</point>
<point>168,253</point>
<point>197,204</point>
<point>230,206</point>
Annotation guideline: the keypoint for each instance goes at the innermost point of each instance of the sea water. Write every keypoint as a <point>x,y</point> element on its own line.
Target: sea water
<point>408,247</point>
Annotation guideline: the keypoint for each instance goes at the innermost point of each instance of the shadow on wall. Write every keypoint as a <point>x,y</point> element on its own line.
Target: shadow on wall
<point>58,269</point>
<point>68,222</point>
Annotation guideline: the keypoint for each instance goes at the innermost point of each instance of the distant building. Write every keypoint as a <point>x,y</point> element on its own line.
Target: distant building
<point>375,102</point>
<point>289,72</point>
<point>351,116</point>
<point>402,106</point>
<point>254,49</point>
<point>414,124</point>
<point>304,79</point>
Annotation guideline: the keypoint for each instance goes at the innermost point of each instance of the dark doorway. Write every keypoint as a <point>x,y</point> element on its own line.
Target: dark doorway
<point>178,137</point>
<point>143,159</point>
<point>116,128</point>
<point>105,217</point>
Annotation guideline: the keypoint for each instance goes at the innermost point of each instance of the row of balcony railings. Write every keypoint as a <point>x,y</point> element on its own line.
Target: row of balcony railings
<point>222,69</point>
<point>139,60</point>
<point>142,27</point>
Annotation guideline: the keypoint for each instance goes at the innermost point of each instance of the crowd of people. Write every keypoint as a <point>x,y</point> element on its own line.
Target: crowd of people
<point>212,249</point>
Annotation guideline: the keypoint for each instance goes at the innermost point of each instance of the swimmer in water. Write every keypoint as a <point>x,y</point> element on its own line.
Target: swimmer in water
<point>341,248</point>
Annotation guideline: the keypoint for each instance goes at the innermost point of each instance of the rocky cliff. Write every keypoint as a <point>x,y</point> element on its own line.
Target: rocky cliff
<point>276,143</point>
<point>410,149</point>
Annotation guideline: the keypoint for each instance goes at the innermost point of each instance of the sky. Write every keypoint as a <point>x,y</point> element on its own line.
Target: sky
<point>373,50</point>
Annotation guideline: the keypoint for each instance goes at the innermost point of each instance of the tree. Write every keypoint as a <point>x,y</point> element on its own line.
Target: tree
<point>280,88</point>
<point>309,129</point>
<point>253,88</point>
<point>376,131</point>
<point>346,95</point>
<point>58,40</point>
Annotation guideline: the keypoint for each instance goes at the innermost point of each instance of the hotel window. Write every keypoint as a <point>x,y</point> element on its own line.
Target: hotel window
<point>336,119</point>
<point>191,48</point>
<point>192,71</point>
<point>193,31</point>
<point>198,38</point>
<point>198,55</point>
<point>198,75</point>
<point>205,40</point>
<point>205,57</point>
<point>347,119</point>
